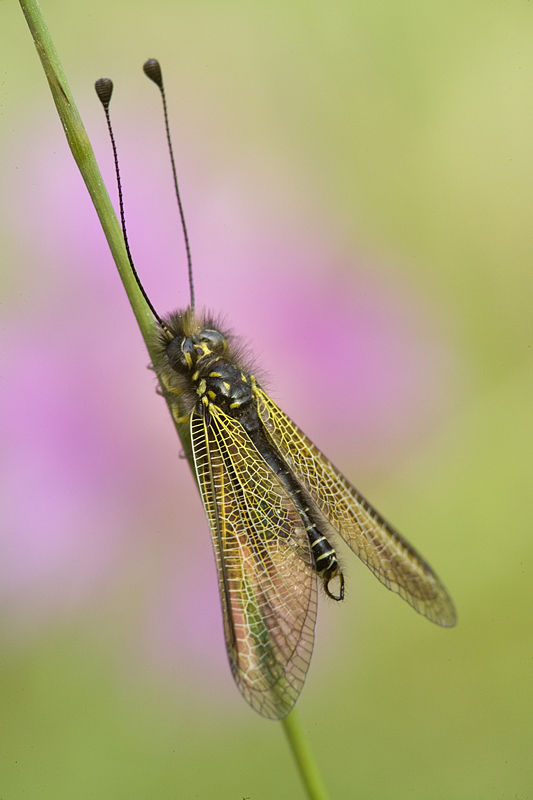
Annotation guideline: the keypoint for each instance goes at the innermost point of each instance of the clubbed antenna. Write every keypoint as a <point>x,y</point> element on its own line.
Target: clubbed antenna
<point>152,70</point>
<point>104,90</point>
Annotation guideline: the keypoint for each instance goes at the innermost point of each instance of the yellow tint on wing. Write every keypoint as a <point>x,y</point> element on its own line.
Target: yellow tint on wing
<point>390,557</point>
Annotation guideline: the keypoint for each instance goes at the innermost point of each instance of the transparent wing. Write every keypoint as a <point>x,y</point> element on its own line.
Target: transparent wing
<point>390,557</point>
<point>265,567</point>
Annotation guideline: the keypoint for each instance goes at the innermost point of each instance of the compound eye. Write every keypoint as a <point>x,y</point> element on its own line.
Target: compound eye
<point>187,348</point>
<point>176,353</point>
<point>215,341</point>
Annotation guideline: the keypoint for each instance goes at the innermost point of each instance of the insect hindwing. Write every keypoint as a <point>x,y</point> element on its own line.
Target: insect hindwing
<point>390,557</point>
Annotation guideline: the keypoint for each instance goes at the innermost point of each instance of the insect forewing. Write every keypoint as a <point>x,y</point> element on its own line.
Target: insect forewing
<point>265,567</point>
<point>390,557</point>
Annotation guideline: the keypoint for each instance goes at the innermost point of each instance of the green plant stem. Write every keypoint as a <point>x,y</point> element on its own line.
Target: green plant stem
<point>303,757</point>
<point>84,156</point>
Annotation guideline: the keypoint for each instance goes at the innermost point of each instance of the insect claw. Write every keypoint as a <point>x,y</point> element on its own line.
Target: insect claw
<point>327,581</point>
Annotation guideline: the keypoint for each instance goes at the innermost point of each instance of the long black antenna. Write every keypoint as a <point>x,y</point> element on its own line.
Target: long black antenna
<point>104,90</point>
<point>152,70</point>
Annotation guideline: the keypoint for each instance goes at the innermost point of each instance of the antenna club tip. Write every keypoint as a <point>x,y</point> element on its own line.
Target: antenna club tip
<point>152,70</point>
<point>104,90</point>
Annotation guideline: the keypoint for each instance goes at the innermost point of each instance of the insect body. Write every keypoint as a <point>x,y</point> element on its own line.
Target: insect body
<point>272,500</point>
<point>274,503</point>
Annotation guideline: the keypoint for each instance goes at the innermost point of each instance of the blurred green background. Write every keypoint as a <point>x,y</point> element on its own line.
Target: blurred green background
<point>358,180</point>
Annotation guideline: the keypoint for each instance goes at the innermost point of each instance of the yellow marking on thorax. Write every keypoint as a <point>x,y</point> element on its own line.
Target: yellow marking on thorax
<point>179,420</point>
<point>167,386</point>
